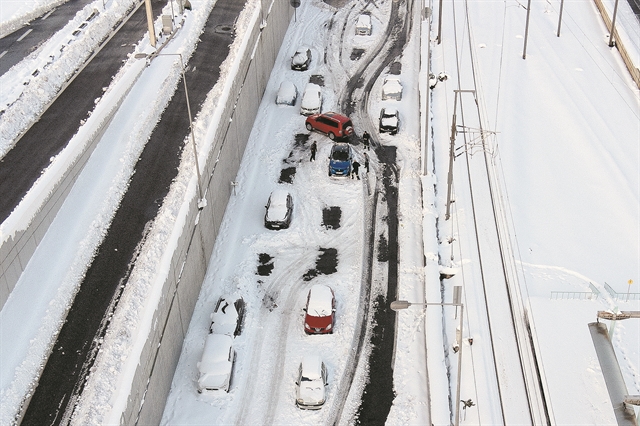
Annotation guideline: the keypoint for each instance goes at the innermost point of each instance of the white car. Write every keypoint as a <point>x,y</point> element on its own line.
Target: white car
<point>301,60</point>
<point>391,88</point>
<point>287,94</point>
<point>216,363</point>
<point>310,386</point>
<point>389,120</point>
<point>227,317</point>
<point>311,100</point>
<point>363,25</point>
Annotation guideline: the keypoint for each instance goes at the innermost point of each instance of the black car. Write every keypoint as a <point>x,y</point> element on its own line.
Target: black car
<point>279,210</point>
<point>301,59</point>
<point>389,120</point>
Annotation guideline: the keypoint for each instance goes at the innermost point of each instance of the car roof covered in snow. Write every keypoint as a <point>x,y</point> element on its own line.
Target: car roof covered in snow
<point>320,300</point>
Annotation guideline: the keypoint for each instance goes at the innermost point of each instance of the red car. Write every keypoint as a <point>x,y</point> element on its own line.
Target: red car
<point>320,310</point>
<point>331,123</point>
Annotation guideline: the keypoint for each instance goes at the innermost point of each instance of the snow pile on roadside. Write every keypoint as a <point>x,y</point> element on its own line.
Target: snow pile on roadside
<point>25,96</point>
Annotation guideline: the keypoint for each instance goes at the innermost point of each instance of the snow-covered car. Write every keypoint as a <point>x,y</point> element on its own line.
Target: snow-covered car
<point>216,364</point>
<point>311,383</point>
<point>391,88</point>
<point>363,25</point>
<point>227,317</point>
<point>279,210</point>
<point>287,94</point>
<point>332,124</point>
<point>320,310</point>
<point>301,60</point>
<point>340,160</point>
<point>389,120</point>
<point>311,100</point>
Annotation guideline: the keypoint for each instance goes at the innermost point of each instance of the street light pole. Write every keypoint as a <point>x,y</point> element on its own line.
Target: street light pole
<point>186,94</point>
<point>613,25</point>
<point>398,305</point>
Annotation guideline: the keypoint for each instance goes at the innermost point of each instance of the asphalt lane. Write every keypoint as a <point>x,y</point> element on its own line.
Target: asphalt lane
<point>19,44</point>
<point>76,347</point>
<point>635,6</point>
<point>23,164</point>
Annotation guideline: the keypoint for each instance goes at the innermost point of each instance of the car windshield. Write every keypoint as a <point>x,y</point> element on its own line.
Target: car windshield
<point>340,153</point>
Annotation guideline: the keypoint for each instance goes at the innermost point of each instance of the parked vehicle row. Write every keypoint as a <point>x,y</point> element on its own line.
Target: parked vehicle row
<point>389,121</point>
<point>320,307</point>
<point>216,364</point>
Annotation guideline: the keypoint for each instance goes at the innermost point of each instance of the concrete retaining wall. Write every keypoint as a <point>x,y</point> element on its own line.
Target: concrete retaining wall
<point>17,250</point>
<point>190,260</point>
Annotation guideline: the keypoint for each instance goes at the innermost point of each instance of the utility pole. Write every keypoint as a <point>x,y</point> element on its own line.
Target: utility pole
<point>439,21</point>
<point>152,31</point>
<point>452,150</point>
<point>526,31</point>
<point>613,25</point>
<point>560,17</point>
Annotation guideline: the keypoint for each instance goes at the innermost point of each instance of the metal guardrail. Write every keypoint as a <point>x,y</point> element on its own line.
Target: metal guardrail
<point>594,294</point>
<point>580,295</point>
<point>621,296</point>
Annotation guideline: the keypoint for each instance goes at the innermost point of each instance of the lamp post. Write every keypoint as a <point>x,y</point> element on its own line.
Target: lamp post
<point>398,305</point>
<point>186,94</point>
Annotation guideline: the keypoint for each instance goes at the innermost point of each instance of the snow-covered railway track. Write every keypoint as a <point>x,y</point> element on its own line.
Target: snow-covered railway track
<point>510,389</point>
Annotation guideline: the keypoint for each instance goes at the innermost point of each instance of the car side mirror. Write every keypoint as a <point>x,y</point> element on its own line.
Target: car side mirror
<point>333,310</point>
<point>304,309</point>
<point>297,383</point>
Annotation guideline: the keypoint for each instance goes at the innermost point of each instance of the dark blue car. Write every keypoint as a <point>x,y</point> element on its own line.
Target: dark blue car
<point>340,160</point>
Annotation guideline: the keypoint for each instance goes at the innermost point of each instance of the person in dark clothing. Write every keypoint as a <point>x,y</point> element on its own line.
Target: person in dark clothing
<point>354,170</point>
<point>366,139</point>
<point>366,162</point>
<point>314,148</point>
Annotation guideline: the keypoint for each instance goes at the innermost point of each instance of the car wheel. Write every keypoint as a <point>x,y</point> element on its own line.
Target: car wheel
<point>332,136</point>
<point>309,127</point>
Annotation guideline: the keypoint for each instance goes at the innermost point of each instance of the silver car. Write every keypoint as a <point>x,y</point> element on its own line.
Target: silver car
<point>311,383</point>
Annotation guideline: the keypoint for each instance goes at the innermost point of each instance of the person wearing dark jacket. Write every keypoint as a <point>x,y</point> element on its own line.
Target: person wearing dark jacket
<point>354,170</point>
<point>366,139</point>
<point>314,148</point>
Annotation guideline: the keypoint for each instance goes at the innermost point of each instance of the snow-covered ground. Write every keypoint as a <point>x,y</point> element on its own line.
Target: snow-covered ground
<point>567,157</point>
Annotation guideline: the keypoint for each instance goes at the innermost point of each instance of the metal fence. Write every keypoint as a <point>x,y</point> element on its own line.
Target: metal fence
<point>594,294</point>
<point>621,296</point>
<point>579,295</point>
